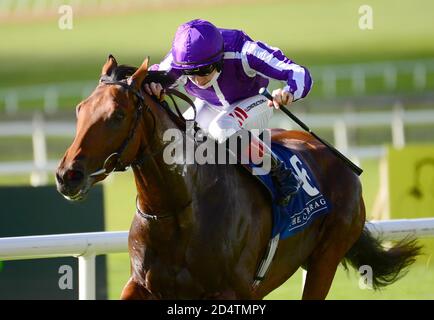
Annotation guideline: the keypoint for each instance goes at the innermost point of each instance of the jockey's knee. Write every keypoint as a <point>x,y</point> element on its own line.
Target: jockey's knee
<point>220,131</point>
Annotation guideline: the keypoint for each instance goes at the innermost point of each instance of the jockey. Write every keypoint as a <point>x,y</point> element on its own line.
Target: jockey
<point>224,69</point>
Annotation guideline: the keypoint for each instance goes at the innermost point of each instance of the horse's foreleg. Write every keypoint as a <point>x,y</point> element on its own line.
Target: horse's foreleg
<point>134,291</point>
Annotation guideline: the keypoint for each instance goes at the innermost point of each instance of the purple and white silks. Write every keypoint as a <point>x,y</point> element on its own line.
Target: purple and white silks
<point>248,66</point>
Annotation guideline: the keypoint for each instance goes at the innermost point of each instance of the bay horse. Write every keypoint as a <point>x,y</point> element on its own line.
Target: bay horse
<point>201,234</point>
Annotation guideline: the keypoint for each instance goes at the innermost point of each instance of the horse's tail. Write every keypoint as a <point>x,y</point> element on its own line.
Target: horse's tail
<point>388,265</point>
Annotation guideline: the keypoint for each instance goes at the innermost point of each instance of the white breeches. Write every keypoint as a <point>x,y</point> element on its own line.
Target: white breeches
<point>220,123</point>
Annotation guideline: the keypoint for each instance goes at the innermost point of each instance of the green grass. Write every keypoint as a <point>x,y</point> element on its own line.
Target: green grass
<point>309,32</point>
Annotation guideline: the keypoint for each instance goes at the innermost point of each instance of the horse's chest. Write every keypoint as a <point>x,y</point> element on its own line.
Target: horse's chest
<point>199,275</point>
<point>169,281</point>
<point>178,265</point>
<point>174,276</point>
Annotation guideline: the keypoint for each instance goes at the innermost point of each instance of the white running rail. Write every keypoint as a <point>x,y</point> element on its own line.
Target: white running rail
<point>86,246</point>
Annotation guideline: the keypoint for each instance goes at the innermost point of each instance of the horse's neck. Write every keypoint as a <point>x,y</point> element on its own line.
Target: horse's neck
<point>168,188</point>
<point>161,188</point>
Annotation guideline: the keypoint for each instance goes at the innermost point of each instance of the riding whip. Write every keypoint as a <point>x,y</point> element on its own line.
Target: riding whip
<point>354,167</point>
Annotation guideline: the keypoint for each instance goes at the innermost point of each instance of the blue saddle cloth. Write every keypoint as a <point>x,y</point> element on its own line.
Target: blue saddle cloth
<point>307,204</point>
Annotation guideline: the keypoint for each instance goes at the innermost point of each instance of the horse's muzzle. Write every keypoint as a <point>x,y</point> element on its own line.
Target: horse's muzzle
<point>71,182</point>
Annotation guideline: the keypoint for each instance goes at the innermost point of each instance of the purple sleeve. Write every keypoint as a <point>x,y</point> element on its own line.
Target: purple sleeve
<point>271,63</point>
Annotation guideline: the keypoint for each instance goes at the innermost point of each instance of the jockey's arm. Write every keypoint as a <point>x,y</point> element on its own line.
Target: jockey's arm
<point>270,62</point>
<point>156,89</point>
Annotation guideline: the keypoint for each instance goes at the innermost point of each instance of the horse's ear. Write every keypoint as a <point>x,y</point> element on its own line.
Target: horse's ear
<point>137,78</point>
<point>110,64</point>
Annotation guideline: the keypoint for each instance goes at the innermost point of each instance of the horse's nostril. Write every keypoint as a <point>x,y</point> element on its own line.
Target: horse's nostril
<point>59,178</point>
<point>73,175</point>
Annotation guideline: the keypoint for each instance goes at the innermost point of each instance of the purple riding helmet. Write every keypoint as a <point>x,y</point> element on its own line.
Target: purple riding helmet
<point>197,43</point>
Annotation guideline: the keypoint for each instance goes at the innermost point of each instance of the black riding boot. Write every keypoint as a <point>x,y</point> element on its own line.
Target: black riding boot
<point>285,180</point>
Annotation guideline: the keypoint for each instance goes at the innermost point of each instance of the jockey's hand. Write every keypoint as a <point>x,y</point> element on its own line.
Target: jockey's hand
<point>155,89</point>
<point>281,97</point>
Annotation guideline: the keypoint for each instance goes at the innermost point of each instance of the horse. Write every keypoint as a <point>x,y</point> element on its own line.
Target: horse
<point>200,233</point>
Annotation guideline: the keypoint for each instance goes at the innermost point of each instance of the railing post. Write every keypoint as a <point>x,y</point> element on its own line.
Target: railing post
<point>398,129</point>
<point>86,277</point>
<point>39,176</point>
<point>341,135</point>
<point>303,279</point>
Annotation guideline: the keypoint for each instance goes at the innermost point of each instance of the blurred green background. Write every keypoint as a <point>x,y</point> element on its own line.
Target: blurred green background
<point>34,51</point>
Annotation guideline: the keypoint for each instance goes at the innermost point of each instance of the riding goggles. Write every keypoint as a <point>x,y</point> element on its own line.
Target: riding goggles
<point>202,71</point>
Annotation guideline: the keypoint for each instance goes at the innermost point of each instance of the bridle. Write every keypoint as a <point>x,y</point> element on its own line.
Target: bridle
<point>113,161</point>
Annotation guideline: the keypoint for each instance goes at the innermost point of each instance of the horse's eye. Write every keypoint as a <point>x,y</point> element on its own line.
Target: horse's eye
<point>117,116</point>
